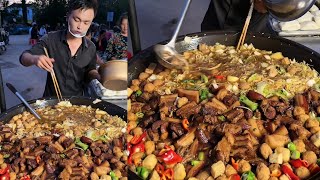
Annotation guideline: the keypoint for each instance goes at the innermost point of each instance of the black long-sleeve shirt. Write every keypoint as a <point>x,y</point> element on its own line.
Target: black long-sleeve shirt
<point>231,15</point>
<point>71,71</point>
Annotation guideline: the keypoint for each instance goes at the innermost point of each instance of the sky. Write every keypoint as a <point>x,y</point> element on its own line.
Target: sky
<point>17,1</point>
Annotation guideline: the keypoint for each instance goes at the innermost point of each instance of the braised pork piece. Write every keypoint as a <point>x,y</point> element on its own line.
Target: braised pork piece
<point>255,115</point>
<point>69,142</point>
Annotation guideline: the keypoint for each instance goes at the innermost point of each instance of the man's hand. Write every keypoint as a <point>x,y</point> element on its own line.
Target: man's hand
<point>43,62</point>
<point>260,6</point>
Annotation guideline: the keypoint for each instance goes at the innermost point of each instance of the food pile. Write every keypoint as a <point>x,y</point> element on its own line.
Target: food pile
<point>69,142</point>
<point>254,115</point>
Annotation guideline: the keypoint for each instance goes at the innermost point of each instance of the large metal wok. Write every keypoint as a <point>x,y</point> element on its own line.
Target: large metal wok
<point>108,107</point>
<point>261,41</point>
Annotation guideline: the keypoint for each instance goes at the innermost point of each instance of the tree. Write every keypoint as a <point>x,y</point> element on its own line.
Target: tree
<point>24,11</point>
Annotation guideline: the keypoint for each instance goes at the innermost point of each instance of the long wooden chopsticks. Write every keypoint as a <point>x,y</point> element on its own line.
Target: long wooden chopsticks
<point>54,79</point>
<point>245,27</point>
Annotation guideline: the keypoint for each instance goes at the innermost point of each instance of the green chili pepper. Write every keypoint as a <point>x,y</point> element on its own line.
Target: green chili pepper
<point>249,175</point>
<point>292,146</point>
<point>138,93</point>
<point>113,175</point>
<point>252,105</point>
<point>204,94</point>
<point>81,144</point>
<point>295,154</point>
<point>144,173</point>
<point>201,156</point>
<point>194,162</point>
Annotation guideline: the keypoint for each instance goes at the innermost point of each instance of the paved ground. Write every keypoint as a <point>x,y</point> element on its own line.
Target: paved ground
<point>29,81</point>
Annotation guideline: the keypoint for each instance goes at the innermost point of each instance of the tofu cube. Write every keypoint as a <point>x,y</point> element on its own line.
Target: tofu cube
<point>276,158</point>
<point>217,169</point>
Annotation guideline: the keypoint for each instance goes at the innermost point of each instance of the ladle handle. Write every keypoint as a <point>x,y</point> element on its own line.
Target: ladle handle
<point>176,32</point>
<point>14,90</point>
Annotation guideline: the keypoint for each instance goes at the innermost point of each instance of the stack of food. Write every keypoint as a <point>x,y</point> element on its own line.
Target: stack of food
<point>254,115</point>
<point>69,142</point>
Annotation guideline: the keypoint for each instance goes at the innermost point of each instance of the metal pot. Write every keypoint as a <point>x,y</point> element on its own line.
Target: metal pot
<point>103,105</point>
<point>114,74</point>
<point>288,10</point>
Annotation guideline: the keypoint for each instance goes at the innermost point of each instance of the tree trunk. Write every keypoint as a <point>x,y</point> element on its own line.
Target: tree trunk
<point>24,11</point>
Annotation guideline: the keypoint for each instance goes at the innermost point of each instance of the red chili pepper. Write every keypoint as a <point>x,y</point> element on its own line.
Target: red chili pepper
<point>38,159</point>
<point>164,174</point>
<point>219,76</point>
<point>136,148</point>
<point>25,177</point>
<point>137,139</point>
<point>314,168</point>
<point>235,177</point>
<point>169,156</point>
<point>185,124</point>
<point>5,176</point>
<point>296,163</point>
<point>4,170</point>
<point>235,165</point>
<point>167,174</point>
<point>287,171</point>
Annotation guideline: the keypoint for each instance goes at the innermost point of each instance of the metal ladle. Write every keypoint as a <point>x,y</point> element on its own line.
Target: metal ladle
<point>166,54</point>
<point>13,89</point>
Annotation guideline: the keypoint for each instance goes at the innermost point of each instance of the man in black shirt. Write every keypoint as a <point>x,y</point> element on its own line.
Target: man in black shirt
<point>72,56</point>
<point>231,15</point>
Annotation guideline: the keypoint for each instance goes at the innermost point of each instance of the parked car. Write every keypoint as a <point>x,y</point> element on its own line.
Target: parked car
<point>19,29</point>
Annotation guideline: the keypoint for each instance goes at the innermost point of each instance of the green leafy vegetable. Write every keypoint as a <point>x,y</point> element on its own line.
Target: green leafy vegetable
<point>113,175</point>
<point>249,175</point>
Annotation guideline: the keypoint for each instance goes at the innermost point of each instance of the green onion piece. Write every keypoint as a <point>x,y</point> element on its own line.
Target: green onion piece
<point>138,169</point>
<point>221,118</point>
<point>204,78</point>
<point>318,118</point>
<point>139,114</point>
<point>318,161</point>
<point>292,146</point>
<point>295,154</point>
<point>194,162</point>
<point>201,156</point>
<point>6,156</point>
<point>138,93</point>
<point>63,156</point>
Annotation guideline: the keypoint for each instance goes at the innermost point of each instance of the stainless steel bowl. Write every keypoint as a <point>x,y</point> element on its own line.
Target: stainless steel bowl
<point>288,10</point>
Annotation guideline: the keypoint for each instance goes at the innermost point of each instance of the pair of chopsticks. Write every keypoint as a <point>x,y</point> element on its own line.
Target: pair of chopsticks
<point>245,27</point>
<point>54,79</point>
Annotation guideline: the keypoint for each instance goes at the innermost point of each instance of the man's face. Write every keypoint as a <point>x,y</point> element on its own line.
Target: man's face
<point>80,20</point>
<point>124,26</point>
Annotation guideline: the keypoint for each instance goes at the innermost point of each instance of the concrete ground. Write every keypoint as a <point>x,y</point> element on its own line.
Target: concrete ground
<point>29,81</point>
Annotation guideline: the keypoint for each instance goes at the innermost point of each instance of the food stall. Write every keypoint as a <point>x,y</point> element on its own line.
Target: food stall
<point>226,123</point>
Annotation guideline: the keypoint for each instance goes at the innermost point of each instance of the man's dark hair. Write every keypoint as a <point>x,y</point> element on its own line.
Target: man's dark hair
<point>83,4</point>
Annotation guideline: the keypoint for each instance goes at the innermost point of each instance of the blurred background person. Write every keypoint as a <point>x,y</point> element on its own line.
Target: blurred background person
<point>117,47</point>
<point>34,34</point>
<point>42,31</point>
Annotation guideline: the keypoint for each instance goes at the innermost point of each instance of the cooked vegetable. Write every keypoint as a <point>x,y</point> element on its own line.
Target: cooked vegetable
<point>249,175</point>
<point>168,156</point>
<point>81,144</point>
<point>201,156</point>
<point>291,146</point>
<point>252,105</point>
<point>295,155</point>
